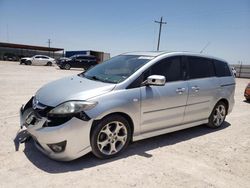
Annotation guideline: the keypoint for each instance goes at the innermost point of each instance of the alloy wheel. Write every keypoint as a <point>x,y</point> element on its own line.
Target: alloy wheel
<point>67,66</point>
<point>112,138</point>
<point>219,115</point>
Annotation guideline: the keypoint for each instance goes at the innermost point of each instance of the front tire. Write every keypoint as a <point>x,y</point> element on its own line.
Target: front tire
<point>218,115</point>
<point>28,63</point>
<point>67,66</point>
<point>110,137</point>
<point>49,64</point>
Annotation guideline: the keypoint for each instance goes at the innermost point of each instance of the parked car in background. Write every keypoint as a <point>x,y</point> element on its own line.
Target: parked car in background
<point>38,60</point>
<point>247,92</point>
<point>77,61</point>
<point>234,71</point>
<point>10,57</point>
<point>127,98</point>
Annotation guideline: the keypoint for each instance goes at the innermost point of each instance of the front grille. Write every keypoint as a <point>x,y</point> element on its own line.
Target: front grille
<point>55,121</point>
<point>42,112</point>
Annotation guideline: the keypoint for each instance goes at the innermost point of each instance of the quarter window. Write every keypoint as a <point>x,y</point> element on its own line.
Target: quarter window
<point>222,69</point>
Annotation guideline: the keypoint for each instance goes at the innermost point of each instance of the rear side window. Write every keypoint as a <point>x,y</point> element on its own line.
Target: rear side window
<point>80,57</point>
<point>222,69</point>
<point>91,58</point>
<point>200,67</point>
<point>169,67</point>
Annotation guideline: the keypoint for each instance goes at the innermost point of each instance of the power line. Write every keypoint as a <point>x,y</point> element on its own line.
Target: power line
<point>159,36</point>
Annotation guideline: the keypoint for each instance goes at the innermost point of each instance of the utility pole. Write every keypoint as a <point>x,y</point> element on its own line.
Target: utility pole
<point>49,42</point>
<point>159,37</point>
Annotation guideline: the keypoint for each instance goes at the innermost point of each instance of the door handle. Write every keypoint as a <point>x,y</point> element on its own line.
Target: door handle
<point>180,90</point>
<point>195,88</point>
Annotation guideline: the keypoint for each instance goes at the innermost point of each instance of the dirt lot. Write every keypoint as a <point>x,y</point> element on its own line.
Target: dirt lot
<point>196,157</point>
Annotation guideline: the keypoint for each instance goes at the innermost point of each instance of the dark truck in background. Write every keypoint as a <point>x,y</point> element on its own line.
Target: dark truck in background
<point>77,61</point>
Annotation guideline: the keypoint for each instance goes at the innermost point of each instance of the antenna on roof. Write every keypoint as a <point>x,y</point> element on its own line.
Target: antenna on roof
<point>204,48</point>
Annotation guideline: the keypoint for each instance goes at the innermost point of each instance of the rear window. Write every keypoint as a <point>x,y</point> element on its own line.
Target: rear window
<point>222,69</point>
<point>200,67</point>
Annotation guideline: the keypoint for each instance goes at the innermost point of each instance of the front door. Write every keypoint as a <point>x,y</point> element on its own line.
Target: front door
<point>36,60</point>
<point>163,106</point>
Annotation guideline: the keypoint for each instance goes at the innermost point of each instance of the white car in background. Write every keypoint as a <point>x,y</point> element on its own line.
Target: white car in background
<point>234,71</point>
<point>38,60</point>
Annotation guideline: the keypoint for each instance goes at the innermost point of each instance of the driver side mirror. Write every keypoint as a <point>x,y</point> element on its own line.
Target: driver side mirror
<point>156,80</point>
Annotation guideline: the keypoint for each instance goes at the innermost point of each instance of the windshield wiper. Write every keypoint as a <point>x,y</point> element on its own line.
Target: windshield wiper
<point>81,75</point>
<point>94,78</point>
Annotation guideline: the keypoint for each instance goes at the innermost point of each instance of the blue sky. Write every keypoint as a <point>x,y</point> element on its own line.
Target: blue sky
<point>119,26</point>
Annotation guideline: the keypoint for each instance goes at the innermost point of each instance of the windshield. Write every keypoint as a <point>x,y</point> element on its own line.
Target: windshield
<point>116,69</point>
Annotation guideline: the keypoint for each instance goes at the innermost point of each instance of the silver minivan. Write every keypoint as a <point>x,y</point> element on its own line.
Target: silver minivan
<point>130,97</point>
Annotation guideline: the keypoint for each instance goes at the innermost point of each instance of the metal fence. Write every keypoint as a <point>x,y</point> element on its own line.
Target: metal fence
<point>243,71</point>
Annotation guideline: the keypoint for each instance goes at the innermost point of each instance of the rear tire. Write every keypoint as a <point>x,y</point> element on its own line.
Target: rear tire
<point>110,136</point>
<point>218,115</point>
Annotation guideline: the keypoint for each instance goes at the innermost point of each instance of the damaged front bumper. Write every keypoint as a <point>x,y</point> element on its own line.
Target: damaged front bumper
<point>66,141</point>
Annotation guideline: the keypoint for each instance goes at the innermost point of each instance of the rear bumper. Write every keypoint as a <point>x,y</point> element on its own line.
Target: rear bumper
<point>75,132</point>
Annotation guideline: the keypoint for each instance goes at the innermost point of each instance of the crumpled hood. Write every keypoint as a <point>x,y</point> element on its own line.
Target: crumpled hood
<point>71,88</point>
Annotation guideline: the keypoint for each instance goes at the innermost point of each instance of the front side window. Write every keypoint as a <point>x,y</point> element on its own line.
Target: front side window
<point>200,67</point>
<point>169,67</point>
<point>116,69</point>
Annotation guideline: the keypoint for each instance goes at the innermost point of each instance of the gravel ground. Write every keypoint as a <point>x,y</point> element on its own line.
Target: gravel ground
<point>195,157</point>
